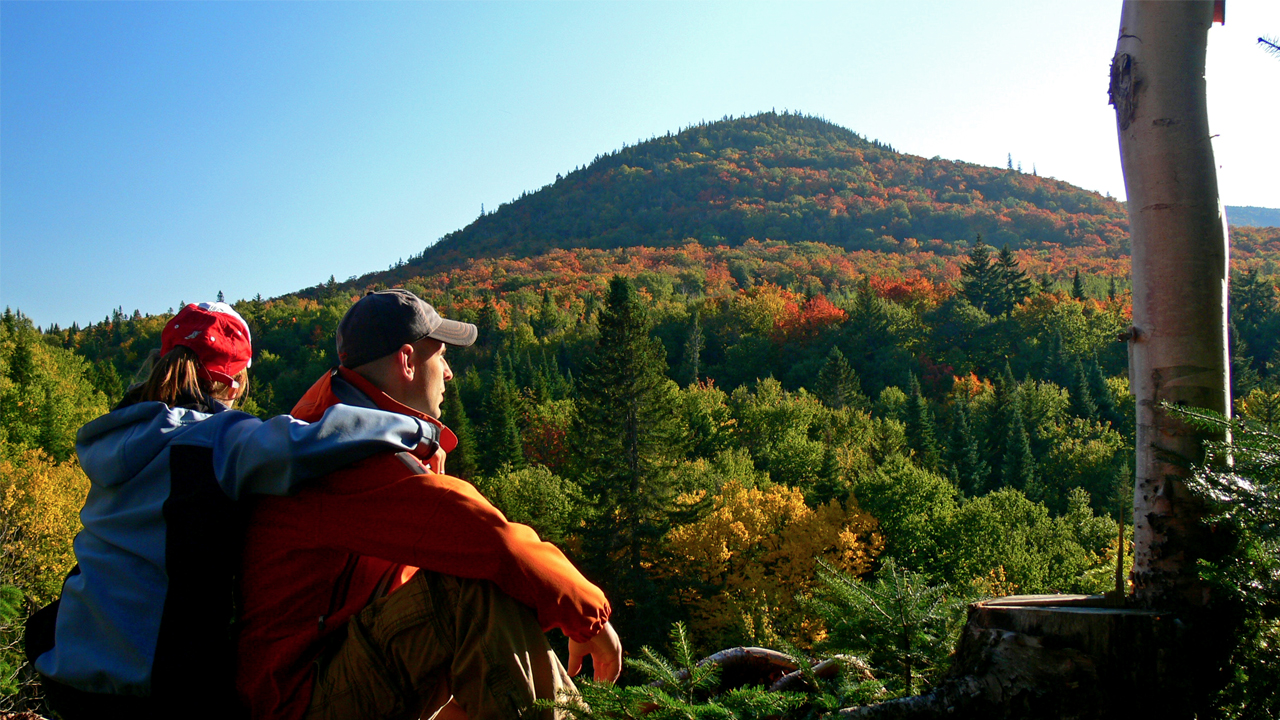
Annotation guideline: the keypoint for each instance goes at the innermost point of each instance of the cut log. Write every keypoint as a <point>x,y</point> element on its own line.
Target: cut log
<point>1056,656</point>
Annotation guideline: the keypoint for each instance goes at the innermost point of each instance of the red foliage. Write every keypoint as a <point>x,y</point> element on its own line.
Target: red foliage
<point>544,444</point>
<point>803,324</point>
<point>912,291</point>
<point>936,379</point>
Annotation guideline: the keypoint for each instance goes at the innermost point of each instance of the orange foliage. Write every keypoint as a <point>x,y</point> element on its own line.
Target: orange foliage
<point>803,324</point>
<point>969,386</point>
<point>915,291</point>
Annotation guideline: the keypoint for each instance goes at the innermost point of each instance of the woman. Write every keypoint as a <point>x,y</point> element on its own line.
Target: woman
<point>143,627</point>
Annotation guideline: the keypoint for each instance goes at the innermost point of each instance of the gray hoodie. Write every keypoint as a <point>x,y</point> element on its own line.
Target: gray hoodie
<point>149,606</point>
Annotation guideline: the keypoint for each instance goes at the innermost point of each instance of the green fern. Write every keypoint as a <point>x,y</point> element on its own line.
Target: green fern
<point>904,625</point>
<point>676,689</point>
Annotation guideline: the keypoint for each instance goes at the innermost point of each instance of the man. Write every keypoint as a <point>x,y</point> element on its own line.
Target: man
<point>387,587</point>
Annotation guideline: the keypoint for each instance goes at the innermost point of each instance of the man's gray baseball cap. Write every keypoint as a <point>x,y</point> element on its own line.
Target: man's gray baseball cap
<point>381,322</point>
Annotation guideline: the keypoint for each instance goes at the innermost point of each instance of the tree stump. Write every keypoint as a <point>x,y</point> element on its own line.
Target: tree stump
<point>1060,656</point>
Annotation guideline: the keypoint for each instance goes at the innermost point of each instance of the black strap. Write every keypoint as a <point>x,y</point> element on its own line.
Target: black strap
<point>38,635</point>
<point>413,463</point>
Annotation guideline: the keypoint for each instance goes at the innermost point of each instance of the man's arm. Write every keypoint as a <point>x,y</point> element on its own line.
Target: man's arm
<point>276,456</point>
<point>605,650</point>
<point>445,525</point>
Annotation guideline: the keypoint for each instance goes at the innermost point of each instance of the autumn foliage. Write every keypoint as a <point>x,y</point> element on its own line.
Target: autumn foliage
<point>755,552</point>
<point>40,501</point>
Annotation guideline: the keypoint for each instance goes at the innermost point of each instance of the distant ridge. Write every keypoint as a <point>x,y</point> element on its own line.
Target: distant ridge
<point>1253,216</point>
<point>780,176</point>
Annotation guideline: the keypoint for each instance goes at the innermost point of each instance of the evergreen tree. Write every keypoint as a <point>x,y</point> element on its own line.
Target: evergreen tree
<point>1111,291</point>
<point>22,367</point>
<point>1101,394</point>
<point>1057,369</point>
<point>1077,286</point>
<point>837,384</point>
<point>979,280</point>
<point>830,484</point>
<point>106,378</point>
<point>1243,496</point>
<point>1243,375</point>
<point>921,433</point>
<point>693,344</point>
<point>1019,469</point>
<point>487,323</point>
<point>968,470</point>
<point>1001,419</point>
<point>529,377</point>
<point>903,625</point>
<point>462,461</point>
<point>1014,284</point>
<point>559,385</point>
<point>1082,404</point>
<point>548,318</point>
<point>1255,323</point>
<point>503,446</point>
<point>624,434</point>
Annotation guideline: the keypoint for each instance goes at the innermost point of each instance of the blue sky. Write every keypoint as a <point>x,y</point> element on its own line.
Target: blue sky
<point>152,153</point>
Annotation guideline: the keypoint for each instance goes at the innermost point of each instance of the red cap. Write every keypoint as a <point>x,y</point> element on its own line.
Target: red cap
<point>218,336</point>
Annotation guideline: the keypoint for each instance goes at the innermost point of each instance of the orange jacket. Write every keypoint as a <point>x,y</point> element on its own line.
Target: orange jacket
<point>314,559</point>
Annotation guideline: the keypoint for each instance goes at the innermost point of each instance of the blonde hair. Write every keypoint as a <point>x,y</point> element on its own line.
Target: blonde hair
<point>175,376</point>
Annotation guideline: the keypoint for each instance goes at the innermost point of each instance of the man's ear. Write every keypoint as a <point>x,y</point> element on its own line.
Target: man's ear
<point>405,362</point>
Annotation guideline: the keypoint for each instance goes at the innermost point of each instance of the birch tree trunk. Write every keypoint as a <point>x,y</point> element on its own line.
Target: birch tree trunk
<point>1178,343</point>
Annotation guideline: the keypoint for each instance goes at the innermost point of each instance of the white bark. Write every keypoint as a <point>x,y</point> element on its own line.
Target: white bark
<point>1178,352</point>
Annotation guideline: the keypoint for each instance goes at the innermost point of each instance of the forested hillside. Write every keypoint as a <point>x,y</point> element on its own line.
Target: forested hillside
<point>1253,216</point>
<point>781,177</point>
<point>968,416</point>
<point>853,368</point>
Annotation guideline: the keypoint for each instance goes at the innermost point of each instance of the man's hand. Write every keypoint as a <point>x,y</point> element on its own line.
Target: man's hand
<point>436,462</point>
<point>606,655</point>
<point>431,455</point>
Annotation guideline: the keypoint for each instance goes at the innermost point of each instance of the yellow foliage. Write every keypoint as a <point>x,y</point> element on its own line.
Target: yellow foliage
<point>1261,407</point>
<point>996,583</point>
<point>40,502</point>
<point>761,306</point>
<point>755,551</point>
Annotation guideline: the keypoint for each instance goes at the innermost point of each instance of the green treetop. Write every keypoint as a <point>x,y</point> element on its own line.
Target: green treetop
<point>837,385</point>
<point>979,280</point>
<point>503,447</point>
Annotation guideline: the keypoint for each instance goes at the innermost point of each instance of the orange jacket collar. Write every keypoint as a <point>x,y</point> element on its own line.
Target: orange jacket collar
<point>320,397</point>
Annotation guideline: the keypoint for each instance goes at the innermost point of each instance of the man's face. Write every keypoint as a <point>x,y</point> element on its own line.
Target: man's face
<point>429,379</point>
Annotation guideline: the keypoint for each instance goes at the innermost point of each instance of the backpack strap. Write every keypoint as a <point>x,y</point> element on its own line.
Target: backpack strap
<point>412,462</point>
<point>38,637</point>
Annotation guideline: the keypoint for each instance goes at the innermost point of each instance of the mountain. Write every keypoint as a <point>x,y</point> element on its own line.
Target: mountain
<point>1253,216</point>
<point>780,176</point>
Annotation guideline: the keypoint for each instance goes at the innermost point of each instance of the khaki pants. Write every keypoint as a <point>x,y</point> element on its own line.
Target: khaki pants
<point>439,635</point>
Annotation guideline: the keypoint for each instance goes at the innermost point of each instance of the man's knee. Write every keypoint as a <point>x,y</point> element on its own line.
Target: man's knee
<point>488,647</point>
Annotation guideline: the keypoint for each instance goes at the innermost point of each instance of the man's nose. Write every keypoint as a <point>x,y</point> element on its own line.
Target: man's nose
<point>448,371</point>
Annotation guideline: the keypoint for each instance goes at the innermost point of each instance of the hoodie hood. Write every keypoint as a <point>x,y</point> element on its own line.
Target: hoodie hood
<point>118,445</point>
